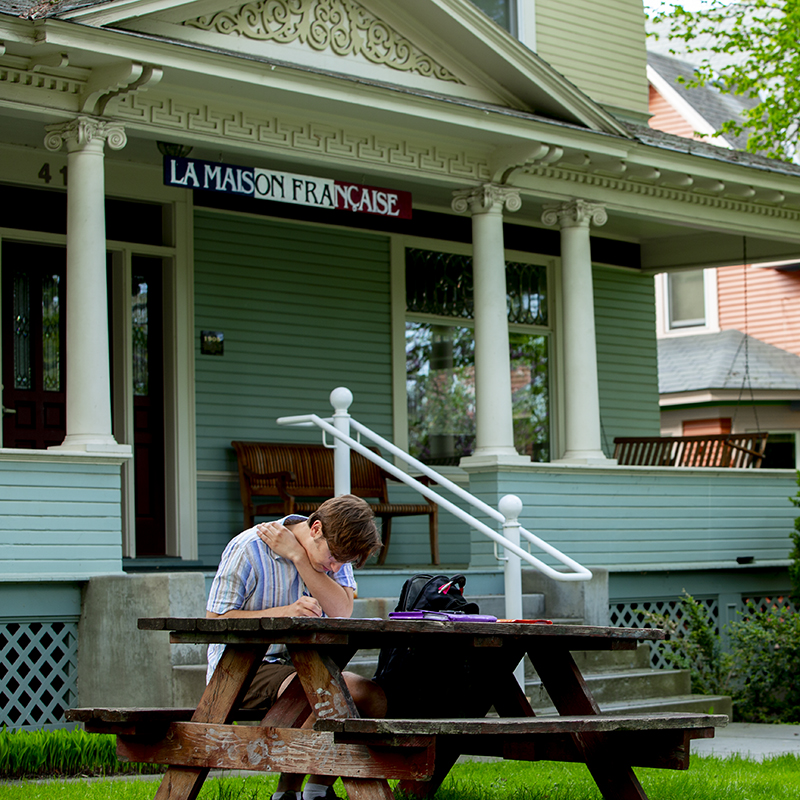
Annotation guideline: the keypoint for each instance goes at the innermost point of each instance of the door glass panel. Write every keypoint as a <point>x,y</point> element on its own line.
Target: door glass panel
<point>51,333</point>
<point>34,344</point>
<point>148,405</point>
<point>140,336</point>
<point>22,331</point>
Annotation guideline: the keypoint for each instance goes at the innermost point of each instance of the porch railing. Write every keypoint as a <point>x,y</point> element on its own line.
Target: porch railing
<point>510,506</point>
<point>741,450</point>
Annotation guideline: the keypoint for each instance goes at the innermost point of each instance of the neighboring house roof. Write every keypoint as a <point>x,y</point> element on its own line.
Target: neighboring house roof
<point>44,8</point>
<point>682,144</point>
<point>711,106</point>
<point>720,361</point>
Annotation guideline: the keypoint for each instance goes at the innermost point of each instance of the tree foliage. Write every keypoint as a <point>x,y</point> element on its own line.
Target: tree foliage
<point>755,51</point>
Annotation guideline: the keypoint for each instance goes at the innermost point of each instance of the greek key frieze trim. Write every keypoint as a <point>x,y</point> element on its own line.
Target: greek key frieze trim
<point>343,27</point>
<point>288,135</point>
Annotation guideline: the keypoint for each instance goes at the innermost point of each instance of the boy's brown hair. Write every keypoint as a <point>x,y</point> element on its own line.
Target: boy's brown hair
<point>348,526</point>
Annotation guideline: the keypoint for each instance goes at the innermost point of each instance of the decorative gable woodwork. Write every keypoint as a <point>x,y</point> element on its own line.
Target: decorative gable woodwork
<point>342,27</point>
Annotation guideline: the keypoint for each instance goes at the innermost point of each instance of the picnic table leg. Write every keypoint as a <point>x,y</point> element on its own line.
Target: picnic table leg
<point>570,695</point>
<point>223,695</point>
<point>329,698</point>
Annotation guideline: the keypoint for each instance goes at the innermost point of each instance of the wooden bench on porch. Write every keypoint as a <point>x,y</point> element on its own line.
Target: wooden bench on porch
<point>277,479</point>
<point>739,450</point>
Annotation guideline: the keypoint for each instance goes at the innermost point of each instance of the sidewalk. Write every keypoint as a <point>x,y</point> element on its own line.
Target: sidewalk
<point>750,740</point>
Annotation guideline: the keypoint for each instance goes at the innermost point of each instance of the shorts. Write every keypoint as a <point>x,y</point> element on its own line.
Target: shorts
<point>263,691</point>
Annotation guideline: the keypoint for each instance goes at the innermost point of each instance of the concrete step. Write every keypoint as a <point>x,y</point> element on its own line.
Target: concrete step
<point>590,662</point>
<point>599,660</point>
<point>620,687</point>
<point>533,605</point>
<point>689,703</point>
<point>188,684</point>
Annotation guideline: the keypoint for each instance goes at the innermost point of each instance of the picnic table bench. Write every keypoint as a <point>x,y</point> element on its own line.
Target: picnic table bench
<point>277,478</point>
<point>418,752</point>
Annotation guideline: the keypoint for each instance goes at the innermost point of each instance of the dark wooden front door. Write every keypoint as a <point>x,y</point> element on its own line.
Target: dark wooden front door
<point>148,405</point>
<point>34,370</point>
<point>34,345</point>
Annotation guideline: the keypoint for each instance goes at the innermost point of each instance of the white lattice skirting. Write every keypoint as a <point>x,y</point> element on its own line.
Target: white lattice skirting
<point>633,615</point>
<point>38,673</point>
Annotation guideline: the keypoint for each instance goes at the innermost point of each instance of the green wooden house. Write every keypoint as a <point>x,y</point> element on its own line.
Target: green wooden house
<point>216,213</point>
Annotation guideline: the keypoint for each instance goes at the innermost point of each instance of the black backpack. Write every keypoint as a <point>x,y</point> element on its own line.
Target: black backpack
<point>435,593</point>
<point>430,682</point>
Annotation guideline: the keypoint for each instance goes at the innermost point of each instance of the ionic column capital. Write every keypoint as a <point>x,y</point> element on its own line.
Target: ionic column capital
<point>480,199</point>
<point>84,132</point>
<point>574,214</point>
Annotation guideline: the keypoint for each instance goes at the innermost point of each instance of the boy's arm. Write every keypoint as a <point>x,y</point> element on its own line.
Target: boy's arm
<point>336,600</point>
<point>228,591</point>
<point>302,607</point>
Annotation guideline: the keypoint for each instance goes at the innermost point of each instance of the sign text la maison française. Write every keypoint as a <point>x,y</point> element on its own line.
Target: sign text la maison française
<point>285,187</point>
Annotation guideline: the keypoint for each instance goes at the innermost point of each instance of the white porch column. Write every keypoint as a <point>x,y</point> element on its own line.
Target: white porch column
<point>494,441</point>
<point>582,401</point>
<point>88,374</point>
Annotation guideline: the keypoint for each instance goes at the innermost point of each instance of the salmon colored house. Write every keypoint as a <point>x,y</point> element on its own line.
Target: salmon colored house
<point>760,300</point>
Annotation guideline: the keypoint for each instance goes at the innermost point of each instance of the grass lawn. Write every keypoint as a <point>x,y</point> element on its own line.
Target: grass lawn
<point>708,779</point>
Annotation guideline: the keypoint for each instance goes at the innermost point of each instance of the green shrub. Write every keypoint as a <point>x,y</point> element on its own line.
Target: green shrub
<point>765,645</point>
<point>758,671</point>
<point>693,644</point>
<point>25,754</point>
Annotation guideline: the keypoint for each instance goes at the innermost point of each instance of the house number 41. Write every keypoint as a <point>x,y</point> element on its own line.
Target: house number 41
<point>46,175</point>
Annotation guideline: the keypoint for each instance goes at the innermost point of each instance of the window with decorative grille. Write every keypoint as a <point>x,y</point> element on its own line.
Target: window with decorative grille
<point>440,356</point>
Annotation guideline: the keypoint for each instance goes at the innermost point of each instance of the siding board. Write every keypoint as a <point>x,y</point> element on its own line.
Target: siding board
<point>304,309</point>
<point>59,519</point>
<point>600,47</point>
<point>627,355</point>
<point>658,518</point>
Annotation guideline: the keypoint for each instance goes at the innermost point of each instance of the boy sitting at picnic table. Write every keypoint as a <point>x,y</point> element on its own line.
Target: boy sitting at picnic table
<point>297,567</point>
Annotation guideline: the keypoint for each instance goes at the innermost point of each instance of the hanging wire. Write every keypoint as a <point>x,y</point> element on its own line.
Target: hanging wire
<point>604,438</point>
<point>746,380</point>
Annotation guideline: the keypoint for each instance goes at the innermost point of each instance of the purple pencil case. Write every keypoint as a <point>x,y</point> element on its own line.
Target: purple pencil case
<point>442,616</point>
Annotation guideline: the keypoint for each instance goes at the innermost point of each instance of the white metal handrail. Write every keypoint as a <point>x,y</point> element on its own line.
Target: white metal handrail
<point>338,431</point>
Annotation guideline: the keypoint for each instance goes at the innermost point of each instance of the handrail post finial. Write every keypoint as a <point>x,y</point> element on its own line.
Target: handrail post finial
<point>341,398</point>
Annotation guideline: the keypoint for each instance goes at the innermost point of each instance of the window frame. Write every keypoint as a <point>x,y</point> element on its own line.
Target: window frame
<point>400,316</point>
<point>710,323</point>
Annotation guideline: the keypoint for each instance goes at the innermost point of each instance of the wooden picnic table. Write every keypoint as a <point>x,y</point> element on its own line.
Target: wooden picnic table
<point>366,753</point>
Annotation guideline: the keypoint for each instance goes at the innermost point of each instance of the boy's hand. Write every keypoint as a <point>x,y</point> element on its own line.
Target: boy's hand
<point>304,607</point>
<point>280,540</point>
